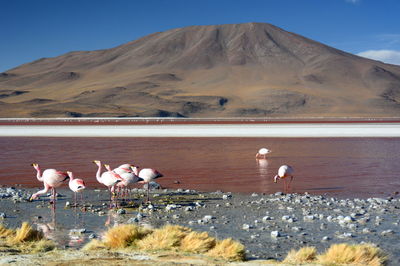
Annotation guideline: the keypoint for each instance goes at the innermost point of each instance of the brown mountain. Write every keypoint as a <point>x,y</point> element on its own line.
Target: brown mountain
<point>237,70</point>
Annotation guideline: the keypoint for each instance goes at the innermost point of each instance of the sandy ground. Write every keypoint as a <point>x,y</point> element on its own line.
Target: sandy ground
<point>268,225</point>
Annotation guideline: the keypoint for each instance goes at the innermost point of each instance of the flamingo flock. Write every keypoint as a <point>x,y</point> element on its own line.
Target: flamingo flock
<point>118,180</point>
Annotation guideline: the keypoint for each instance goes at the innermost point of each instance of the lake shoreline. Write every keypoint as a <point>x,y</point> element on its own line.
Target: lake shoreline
<point>277,221</point>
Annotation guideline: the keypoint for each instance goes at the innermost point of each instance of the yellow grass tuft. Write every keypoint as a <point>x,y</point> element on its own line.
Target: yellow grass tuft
<point>197,242</point>
<point>95,244</point>
<point>25,234</point>
<point>123,235</point>
<point>363,254</point>
<point>5,232</point>
<point>229,250</point>
<point>43,245</point>
<point>303,255</point>
<point>167,237</point>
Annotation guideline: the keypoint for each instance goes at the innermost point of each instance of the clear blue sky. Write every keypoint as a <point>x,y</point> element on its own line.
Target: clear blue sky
<point>32,29</point>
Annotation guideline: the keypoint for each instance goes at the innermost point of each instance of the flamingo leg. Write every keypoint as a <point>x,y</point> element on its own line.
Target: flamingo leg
<point>148,192</point>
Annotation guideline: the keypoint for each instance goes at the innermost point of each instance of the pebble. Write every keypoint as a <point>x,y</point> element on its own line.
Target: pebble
<point>226,196</point>
<point>208,218</point>
<point>67,204</point>
<point>3,215</point>
<point>266,218</point>
<point>189,208</point>
<point>92,236</point>
<point>387,232</point>
<point>133,220</point>
<point>326,238</point>
<point>247,226</point>
<point>275,234</point>
<point>309,218</point>
<point>121,211</point>
<point>254,195</point>
<point>176,216</point>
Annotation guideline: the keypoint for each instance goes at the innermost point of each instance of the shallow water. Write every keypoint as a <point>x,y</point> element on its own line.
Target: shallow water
<point>345,167</point>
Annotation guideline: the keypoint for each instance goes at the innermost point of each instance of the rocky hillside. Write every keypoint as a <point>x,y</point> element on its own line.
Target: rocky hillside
<point>235,70</point>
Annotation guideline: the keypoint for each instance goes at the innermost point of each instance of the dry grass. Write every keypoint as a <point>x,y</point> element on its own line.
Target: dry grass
<point>363,254</point>
<point>173,238</point>
<point>25,240</point>
<point>166,238</point>
<point>228,249</point>
<point>196,242</point>
<point>5,232</point>
<point>94,244</point>
<point>303,255</point>
<point>26,234</point>
<point>123,236</point>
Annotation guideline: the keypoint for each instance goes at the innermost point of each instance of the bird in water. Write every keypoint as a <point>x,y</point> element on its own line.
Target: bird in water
<point>108,178</point>
<point>51,179</point>
<point>77,185</point>
<point>262,153</point>
<point>129,174</point>
<point>284,172</point>
<point>148,175</point>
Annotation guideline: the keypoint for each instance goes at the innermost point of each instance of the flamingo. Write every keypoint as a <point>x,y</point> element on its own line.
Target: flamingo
<point>148,175</point>
<point>284,172</point>
<point>76,185</point>
<point>262,153</point>
<point>109,178</point>
<point>123,168</point>
<point>51,179</point>
<point>129,175</point>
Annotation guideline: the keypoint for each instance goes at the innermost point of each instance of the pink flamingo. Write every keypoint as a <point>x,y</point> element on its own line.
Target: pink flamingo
<point>148,175</point>
<point>108,178</point>
<point>76,185</point>
<point>284,172</point>
<point>130,176</point>
<point>51,179</point>
<point>262,153</point>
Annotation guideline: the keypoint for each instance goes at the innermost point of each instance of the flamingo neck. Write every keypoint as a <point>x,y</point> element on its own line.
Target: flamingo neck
<point>39,174</point>
<point>98,177</point>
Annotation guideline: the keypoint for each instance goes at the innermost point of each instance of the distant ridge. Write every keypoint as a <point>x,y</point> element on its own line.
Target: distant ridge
<point>234,70</point>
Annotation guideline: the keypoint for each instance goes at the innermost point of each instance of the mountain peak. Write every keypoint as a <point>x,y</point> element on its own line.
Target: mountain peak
<point>241,70</point>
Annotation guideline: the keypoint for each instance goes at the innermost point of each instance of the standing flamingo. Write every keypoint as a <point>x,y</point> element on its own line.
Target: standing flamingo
<point>148,175</point>
<point>284,172</point>
<point>76,185</point>
<point>130,177</point>
<point>51,179</point>
<point>262,153</point>
<point>108,179</point>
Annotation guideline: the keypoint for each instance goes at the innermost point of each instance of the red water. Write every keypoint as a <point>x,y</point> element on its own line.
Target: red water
<point>345,167</point>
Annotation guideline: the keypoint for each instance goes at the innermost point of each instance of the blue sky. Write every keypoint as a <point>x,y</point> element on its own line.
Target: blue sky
<point>32,29</point>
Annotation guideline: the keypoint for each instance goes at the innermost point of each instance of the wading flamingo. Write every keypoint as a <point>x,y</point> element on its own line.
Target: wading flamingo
<point>148,175</point>
<point>284,172</point>
<point>262,153</point>
<point>76,185</point>
<point>109,178</point>
<point>129,176</point>
<point>51,179</point>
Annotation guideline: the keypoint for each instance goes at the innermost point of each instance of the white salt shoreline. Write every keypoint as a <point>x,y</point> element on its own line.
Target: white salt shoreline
<point>207,130</point>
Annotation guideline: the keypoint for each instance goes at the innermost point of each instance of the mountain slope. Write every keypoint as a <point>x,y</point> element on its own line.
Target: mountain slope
<point>235,70</point>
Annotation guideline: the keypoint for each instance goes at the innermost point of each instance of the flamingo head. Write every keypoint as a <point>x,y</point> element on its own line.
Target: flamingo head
<point>33,197</point>
<point>276,178</point>
<point>70,174</point>
<point>97,162</point>
<point>36,166</point>
<point>135,169</point>
<point>81,185</point>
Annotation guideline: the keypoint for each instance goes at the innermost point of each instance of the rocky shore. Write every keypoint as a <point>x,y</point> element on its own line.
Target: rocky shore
<point>268,225</point>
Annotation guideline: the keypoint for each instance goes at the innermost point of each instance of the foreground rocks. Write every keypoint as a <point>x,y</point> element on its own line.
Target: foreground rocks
<point>268,225</point>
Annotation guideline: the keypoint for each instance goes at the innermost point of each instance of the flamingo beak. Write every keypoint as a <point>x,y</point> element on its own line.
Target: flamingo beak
<point>31,199</point>
<point>276,179</point>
